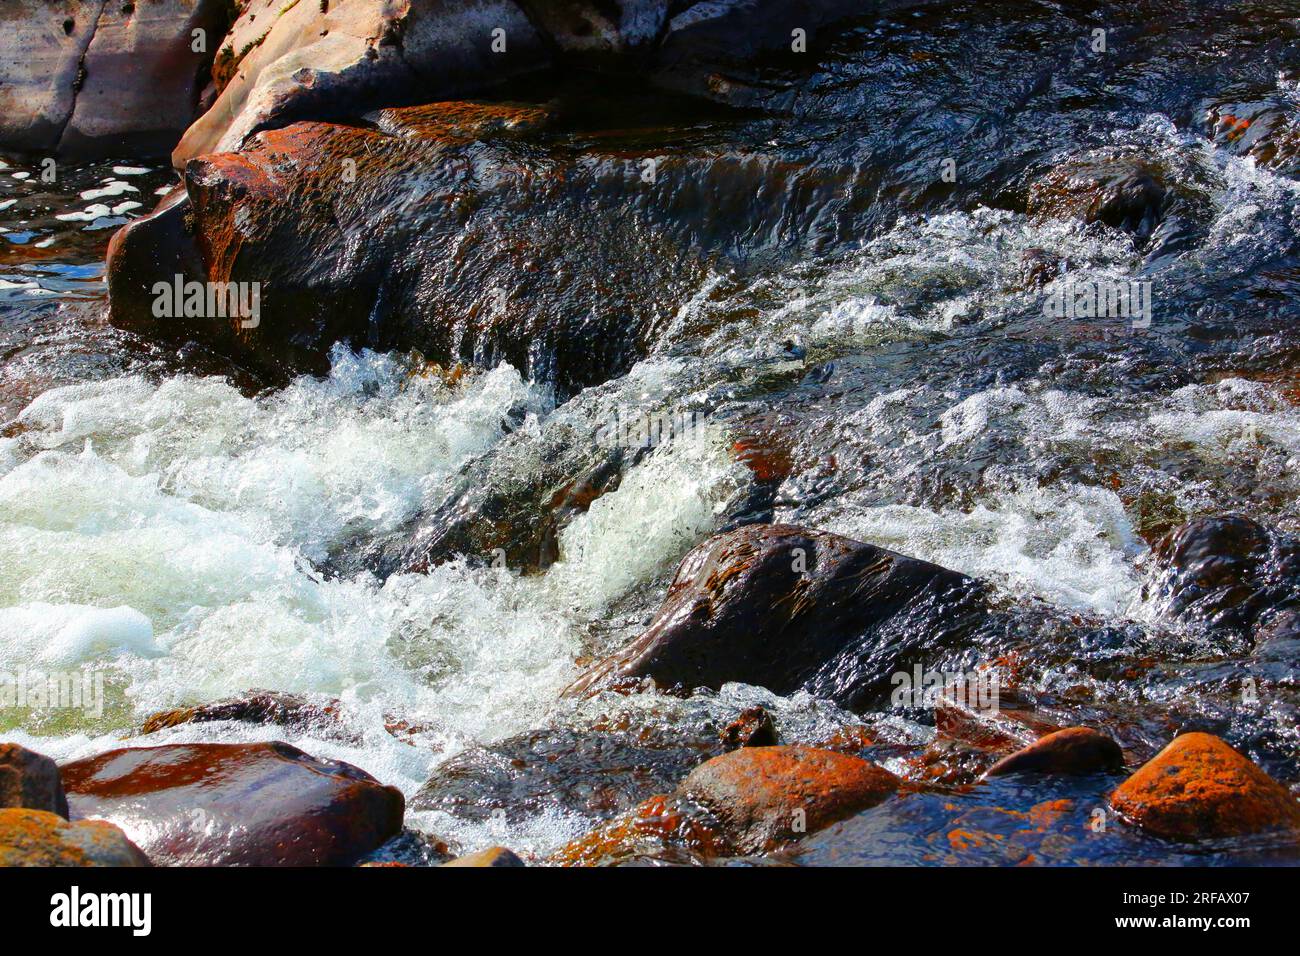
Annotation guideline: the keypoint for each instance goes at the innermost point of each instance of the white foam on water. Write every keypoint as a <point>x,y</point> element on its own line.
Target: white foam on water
<point>166,532</point>
<point>1071,545</point>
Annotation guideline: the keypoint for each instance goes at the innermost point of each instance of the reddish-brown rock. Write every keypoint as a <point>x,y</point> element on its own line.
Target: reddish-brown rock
<point>30,780</point>
<point>262,804</point>
<point>1198,787</point>
<point>37,838</point>
<point>1074,750</point>
<point>765,796</point>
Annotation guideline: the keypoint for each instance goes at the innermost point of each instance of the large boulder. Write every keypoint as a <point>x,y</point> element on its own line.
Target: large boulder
<point>435,228</point>
<point>1200,788</point>
<point>94,79</point>
<point>286,61</point>
<point>262,804</point>
<point>789,609</point>
<point>38,838</point>
<point>30,781</point>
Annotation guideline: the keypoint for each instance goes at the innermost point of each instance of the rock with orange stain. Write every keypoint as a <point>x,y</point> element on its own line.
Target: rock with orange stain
<point>766,796</point>
<point>664,826</point>
<point>1264,129</point>
<point>1198,787</point>
<point>491,857</point>
<point>748,801</point>
<point>1074,750</point>
<point>38,838</point>
<point>261,804</point>
<point>789,608</point>
<point>30,781</point>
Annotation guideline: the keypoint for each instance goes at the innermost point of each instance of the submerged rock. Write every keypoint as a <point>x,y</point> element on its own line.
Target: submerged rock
<point>1123,191</point>
<point>263,804</point>
<point>1226,573</point>
<point>98,79</point>
<point>753,728</point>
<point>1074,750</point>
<point>787,608</point>
<point>30,781</point>
<point>37,838</point>
<point>1200,788</point>
<point>601,770</point>
<point>1266,129</point>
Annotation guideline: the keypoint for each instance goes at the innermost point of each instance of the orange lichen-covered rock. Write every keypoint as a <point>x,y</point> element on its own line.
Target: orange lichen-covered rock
<point>1073,750</point>
<point>38,838</point>
<point>659,825</point>
<point>1199,787</point>
<point>765,796</point>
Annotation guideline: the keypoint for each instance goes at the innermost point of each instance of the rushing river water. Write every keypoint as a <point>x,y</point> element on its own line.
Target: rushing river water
<point>190,536</point>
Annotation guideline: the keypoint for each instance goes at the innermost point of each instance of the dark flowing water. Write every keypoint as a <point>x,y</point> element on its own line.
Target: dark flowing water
<point>871,356</point>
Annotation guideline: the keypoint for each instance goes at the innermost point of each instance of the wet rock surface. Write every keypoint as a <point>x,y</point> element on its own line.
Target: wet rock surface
<point>235,804</point>
<point>37,838</point>
<point>787,608</point>
<point>496,856</point>
<point>1069,751</point>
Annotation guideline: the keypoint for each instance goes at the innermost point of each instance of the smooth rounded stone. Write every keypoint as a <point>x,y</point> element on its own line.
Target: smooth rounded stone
<point>29,780</point>
<point>292,61</point>
<point>1074,750</point>
<point>261,804</point>
<point>1200,788</point>
<point>766,796</point>
<point>97,79</point>
<point>37,838</point>
<point>600,771</point>
<point>492,856</point>
<point>790,609</point>
<point>1224,573</point>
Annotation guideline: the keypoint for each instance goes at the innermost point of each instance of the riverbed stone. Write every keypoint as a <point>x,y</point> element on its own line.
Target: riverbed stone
<point>1199,788</point>
<point>260,804</point>
<point>1073,750</point>
<point>789,608</point>
<point>766,796</point>
<point>38,838</point>
<point>30,780</point>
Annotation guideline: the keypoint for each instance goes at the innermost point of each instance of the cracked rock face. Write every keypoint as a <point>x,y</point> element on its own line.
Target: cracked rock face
<point>93,79</point>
